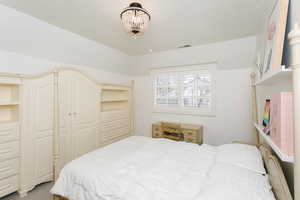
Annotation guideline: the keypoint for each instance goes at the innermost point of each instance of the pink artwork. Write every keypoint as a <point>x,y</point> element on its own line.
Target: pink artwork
<point>282,122</point>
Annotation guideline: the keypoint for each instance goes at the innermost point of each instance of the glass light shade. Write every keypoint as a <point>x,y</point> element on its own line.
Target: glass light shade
<point>135,19</point>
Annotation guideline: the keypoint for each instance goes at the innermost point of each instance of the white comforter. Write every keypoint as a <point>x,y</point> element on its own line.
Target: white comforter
<point>140,168</point>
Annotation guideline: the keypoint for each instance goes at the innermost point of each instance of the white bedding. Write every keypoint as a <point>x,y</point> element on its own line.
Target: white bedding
<point>141,168</point>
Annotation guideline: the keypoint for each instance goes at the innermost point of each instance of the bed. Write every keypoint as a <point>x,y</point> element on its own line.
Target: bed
<point>142,168</point>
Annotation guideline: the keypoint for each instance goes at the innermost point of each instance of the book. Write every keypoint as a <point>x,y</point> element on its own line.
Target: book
<point>282,121</point>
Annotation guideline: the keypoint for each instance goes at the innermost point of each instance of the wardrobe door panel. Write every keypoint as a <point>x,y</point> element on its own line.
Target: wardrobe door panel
<point>37,132</point>
<point>44,152</point>
<point>85,99</point>
<point>85,141</point>
<point>65,113</point>
<point>43,108</point>
<point>43,95</point>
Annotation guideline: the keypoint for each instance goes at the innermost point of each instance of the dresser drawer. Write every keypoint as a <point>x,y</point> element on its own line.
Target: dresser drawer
<point>121,123</point>
<point>108,135</point>
<point>112,116</point>
<point>191,140</point>
<point>8,185</point>
<point>156,128</point>
<point>157,134</point>
<point>9,168</point>
<point>9,150</point>
<point>9,133</point>
<point>190,133</point>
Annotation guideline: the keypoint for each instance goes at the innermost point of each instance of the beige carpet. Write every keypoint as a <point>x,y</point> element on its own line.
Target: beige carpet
<point>40,192</point>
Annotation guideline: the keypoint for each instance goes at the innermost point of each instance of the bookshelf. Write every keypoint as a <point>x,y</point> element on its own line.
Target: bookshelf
<point>277,80</point>
<point>276,149</point>
<point>116,114</point>
<point>114,99</point>
<point>275,76</point>
<point>9,102</point>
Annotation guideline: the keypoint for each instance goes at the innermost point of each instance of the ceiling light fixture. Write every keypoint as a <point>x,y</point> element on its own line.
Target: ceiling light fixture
<point>135,19</point>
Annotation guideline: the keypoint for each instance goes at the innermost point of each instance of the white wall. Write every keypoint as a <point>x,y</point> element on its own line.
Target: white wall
<point>233,119</point>
<point>15,63</point>
<point>30,36</point>
<point>229,55</point>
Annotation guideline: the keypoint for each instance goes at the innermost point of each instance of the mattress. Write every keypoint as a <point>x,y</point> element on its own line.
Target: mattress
<point>142,168</point>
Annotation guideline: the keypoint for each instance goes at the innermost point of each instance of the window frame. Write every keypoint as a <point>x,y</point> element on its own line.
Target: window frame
<point>206,68</point>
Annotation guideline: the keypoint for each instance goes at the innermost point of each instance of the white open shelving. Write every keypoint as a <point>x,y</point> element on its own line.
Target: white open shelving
<point>277,150</point>
<point>9,103</point>
<point>275,76</point>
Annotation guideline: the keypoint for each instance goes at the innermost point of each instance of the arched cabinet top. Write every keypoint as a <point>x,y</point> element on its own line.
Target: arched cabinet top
<point>60,69</point>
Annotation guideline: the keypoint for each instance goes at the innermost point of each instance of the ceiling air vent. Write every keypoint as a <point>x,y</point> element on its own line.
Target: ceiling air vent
<point>184,46</point>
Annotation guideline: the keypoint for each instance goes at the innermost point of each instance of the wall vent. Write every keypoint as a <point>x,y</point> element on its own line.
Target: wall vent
<point>184,46</point>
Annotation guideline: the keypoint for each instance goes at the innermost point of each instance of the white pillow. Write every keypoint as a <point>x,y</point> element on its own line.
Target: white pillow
<point>241,155</point>
<point>231,182</point>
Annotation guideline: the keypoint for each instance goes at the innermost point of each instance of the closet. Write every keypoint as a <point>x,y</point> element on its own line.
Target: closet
<point>37,132</point>
<point>78,115</point>
<point>50,119</point>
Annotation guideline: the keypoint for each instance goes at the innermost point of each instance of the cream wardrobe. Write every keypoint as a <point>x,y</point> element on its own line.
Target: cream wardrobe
<point>78,115</point>
<point>48,120</point>
<point>37,132</point>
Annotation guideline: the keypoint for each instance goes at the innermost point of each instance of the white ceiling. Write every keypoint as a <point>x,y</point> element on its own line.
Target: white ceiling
<point>174,22</point>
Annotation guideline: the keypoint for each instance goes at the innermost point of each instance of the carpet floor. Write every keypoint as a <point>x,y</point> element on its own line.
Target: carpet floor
<point>40,192</point>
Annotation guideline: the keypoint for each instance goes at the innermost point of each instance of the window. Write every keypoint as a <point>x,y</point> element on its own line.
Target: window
<point>184,91</point>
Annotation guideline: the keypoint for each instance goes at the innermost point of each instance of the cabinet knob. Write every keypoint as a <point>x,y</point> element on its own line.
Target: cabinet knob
<point>69,114</point>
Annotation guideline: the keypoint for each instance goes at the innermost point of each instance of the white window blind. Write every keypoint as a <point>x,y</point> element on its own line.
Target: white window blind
<point>184,91</point>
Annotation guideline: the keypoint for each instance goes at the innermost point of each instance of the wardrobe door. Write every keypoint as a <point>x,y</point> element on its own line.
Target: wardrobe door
<point>65,117</point>
<point>85,102</point>
<point>37,135</point>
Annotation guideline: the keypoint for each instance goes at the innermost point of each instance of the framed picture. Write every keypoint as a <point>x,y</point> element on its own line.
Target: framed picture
<point>275,35</point>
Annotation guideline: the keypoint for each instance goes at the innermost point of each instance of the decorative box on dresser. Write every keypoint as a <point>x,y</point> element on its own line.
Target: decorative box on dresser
<point>179,132</point>
<point>10,88</point>
<point>116,113</point>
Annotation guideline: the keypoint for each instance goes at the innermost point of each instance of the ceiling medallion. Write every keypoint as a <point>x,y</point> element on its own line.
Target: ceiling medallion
<point>135,19</point>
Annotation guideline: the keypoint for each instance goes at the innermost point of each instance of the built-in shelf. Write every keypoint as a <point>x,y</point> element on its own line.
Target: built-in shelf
<point>9,122</point>
<point>113,100</point>
<point>276,76</point>
<point>8,103</point>
<point>276,149</point>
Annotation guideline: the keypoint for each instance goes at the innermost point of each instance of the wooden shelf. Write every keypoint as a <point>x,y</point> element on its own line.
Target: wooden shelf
<point>9,122</point>
<point>277,150</point>
<point>113,100</point>
<point>9,103</point>
<point>272,77</point>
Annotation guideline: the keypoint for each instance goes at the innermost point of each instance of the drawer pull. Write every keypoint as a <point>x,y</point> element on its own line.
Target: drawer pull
<point>5,187</point>
<point>5,169</point>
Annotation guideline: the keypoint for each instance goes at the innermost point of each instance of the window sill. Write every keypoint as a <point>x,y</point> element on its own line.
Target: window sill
<point>178,111</point>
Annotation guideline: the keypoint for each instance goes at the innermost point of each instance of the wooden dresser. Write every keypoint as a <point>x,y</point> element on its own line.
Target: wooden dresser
<point>179,132</point>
